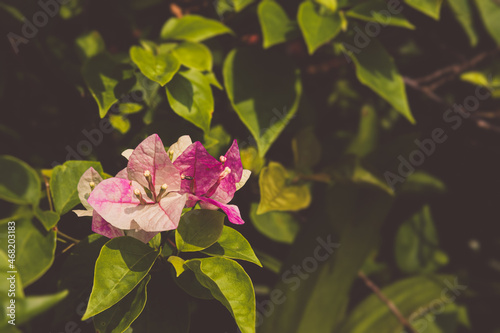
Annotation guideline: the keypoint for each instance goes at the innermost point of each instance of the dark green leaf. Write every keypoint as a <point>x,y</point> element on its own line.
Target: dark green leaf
<point>417,246</point>
<point>366,139</point>
<point>122,264</point>
<point>490,13</point>
<point>276,26</point>
<point>317,28</point>
<point>193,28</point>
<point>279,226</point>
<point>121,315</point>
<point>260,85</point>
<point>464,15</point>
<point>190,96</point>
<point>198,229</point>
<point>428,7</point>
<point>64,183</point>
<point>230,285</point>
<point>19,183</point>
<point>306,149</point>
<point>32,306</point>
<point>48,218</point>
<point>232,244</point>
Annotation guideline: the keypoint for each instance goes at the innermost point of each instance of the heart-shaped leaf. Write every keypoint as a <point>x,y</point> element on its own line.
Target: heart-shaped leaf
<point>194,55</point>
<point>19,183</point>
<point>193,28</point>
<point>279,226</point>
<point>276,26</point>
<point>275,194</point>
<point>157,67</point>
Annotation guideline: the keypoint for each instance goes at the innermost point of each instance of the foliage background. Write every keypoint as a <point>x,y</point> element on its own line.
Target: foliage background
<point>46,105</point>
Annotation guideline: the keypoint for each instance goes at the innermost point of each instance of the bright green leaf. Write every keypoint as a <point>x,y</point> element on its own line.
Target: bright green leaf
<point>275,194</point>
<point>193,28</point>
<point>178,264</point>
<point>251,160</point>
<point>279,226</point>
<point>462,9</point>
<point>490,13</point>
<point>417,247</point>
<point>198,229</point>
<point>224,6</point>
<point>157,67</point>
<point>194,55</point>
<point>119,317</point>
<point>119,122</point>
<point>375,68</point>
<point>276,26</point>
<point>129,108</point>
<point>431,8</point>
<point>422,183</point>
<point>35,250</point>
<point>122,264</point>
<point>190,96</point>
<point>232,244</point>
<point>261,84</point>
<point>330,4</point>
<point>48,218</point>
<point>229,284</point>
<point>317,28</point>
<point>376,11</point>
<point>64,183</point>
<point>19,183</point>
<point>90,44</point>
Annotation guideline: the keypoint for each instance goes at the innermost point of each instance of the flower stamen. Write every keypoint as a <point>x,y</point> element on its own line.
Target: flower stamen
<point>138,195</point>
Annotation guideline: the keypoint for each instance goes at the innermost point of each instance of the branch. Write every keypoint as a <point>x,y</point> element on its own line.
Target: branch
<point>370,284</point>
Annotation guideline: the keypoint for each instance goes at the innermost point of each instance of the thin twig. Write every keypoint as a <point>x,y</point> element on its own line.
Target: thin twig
<point>47,188</point>
<point>429,93</point>
<point>74,240</point>
<point>370,284</point>
<point>67,248</point>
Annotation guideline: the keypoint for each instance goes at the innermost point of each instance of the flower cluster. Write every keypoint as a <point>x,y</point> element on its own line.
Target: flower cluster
<point>149,195</point>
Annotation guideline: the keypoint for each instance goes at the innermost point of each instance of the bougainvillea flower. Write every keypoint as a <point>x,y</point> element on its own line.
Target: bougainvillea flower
<point>88,181</point>
<point>148,199</point>
<point>209,181</point>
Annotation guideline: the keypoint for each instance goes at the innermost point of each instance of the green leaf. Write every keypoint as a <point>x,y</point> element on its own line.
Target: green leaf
<point>232,244</point>
<point>102,76</point>
<point>157,67</point>
<point>260,84</point>
<point>194,55</point>
<point>224,6</point>
<point>490,13</point>
<point>187,282</point>
<point>422,183</point>
<point>48,218</point>
<point>119,122</point>
<point>306,149</point>
<point>198,229</point>
<point>376,11</point>
<point>64,183</point>
<point>122,264</point>
<point>71,9</point>
<point>229,284</point>
<point>129,108</point>
<point>375,68</point>
<point>409,296</point>
<point>216,140</point>
<point>121,315</point>
<point>269,262</point>
<point>193,28</point>
<point>417,247</point>
<point>462,10</point>
<point>431,8</point>
<point>19,183</point>
<point>90,44</point>
<point>178,264</point>
<point>251,160</point>
<point>276,26</point>
<point>330,4</point>
<point>190,96</point>
<point>35,250</point>
<point>32,306</point>
<point>317,28</point>
<point>275,194</point>
<point>279,226</point>
<point>366,140</point>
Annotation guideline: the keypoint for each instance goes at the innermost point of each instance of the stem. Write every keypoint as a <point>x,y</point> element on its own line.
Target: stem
<point>47,188</point>
<point>59,232</point>
<point>370,284</point>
